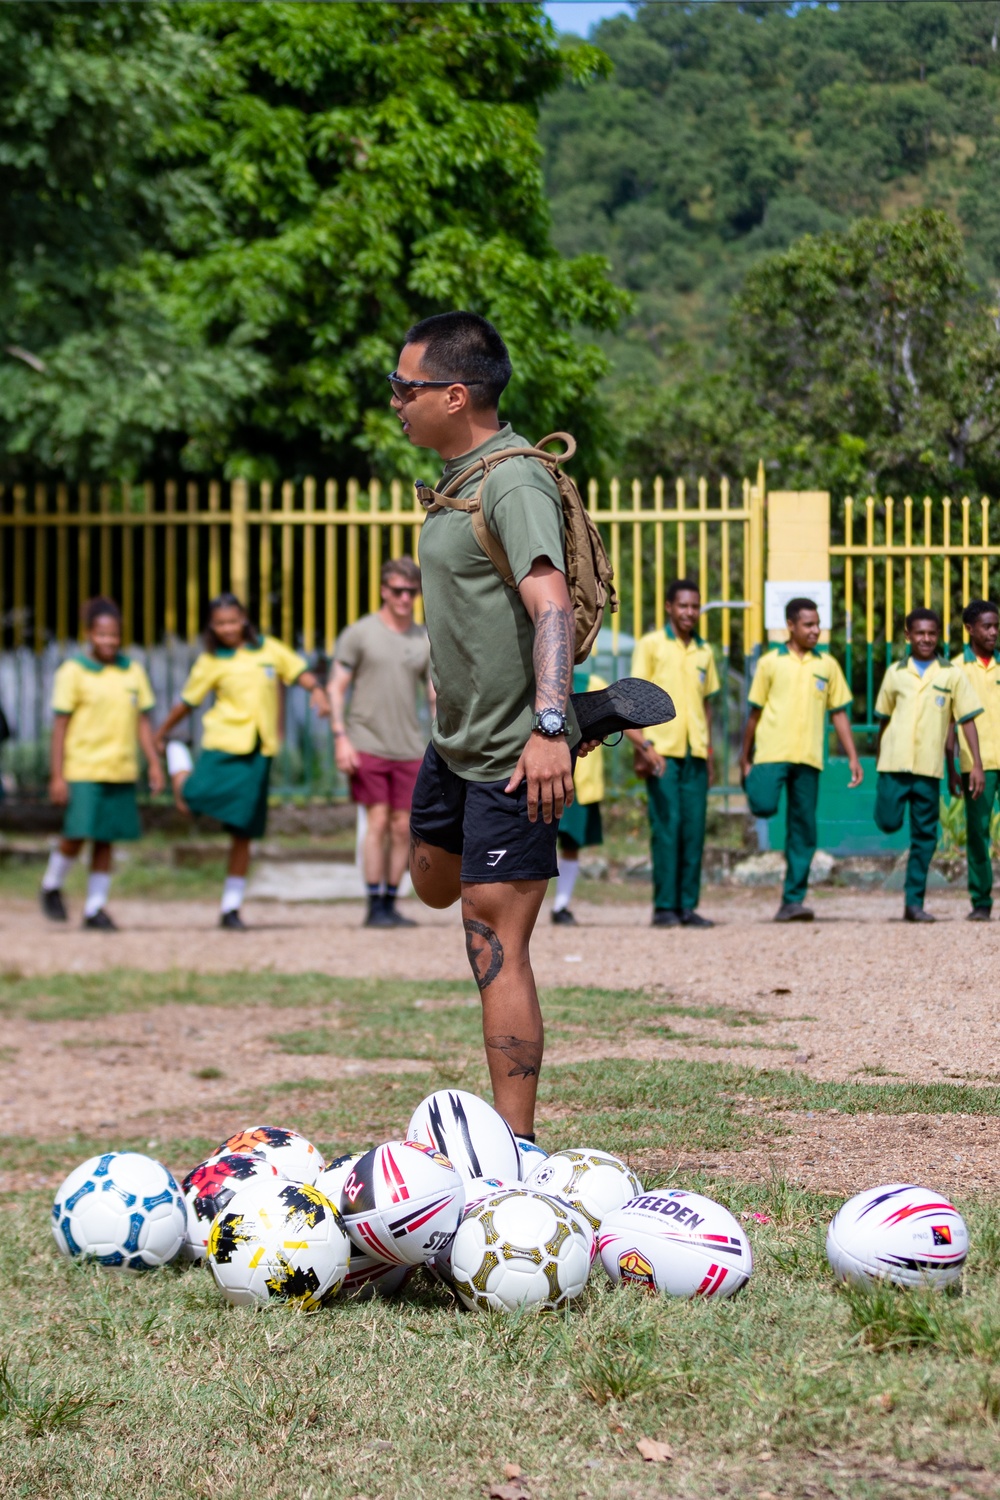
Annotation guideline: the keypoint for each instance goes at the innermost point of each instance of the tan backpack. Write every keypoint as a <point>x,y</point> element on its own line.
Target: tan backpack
<point>589,575</point>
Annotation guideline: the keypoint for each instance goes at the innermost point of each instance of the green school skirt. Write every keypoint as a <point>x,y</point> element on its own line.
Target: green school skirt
<point>105,811</point>
<point>582,824</point>
<point>231,788</point>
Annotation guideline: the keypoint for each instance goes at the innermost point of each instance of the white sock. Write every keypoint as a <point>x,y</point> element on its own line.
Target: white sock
<point>232,893</point>
<point>178,758</point>
<point>98,886</point>
<point>569,869</point>
<point>56,870</point>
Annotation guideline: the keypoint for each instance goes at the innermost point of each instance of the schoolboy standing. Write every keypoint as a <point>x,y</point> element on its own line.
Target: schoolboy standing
<point>793,688</point>
<point>920,697</point>
<point>675,759</point>
<point>980,661</point>
<point>580,825</point>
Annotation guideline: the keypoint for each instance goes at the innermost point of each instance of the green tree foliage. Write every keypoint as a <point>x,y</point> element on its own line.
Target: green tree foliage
<point>273,193</point>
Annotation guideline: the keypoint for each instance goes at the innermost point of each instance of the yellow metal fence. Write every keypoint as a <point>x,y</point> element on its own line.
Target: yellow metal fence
<point>307,555</point>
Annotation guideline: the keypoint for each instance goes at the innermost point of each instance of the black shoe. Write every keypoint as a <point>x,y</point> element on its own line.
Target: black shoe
<point>692,919</point>
<point>564,918</point>
<point>794,911</point>
<point>396,918</point>
<point>979,914</point>
<point>100,922</point>
<point>379,914</point>
<point>53,906</point>
<point>917,914</point>
<point>631,703</point>
<point>666,918</point>
<point>232,922</point>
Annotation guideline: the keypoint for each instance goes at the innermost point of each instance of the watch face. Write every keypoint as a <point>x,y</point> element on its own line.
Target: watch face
<point>551,721</point>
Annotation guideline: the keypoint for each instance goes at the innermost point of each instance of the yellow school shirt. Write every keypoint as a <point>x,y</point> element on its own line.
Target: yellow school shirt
<point>919,711</point>
<point>986,686</point>
<point>103,703</point>
<point>588,778</point>
<point>688,674</point>
<point>793,693</point>
<point>245,684</point>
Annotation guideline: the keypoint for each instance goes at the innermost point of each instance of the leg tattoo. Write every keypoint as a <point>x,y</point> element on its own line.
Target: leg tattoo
<point>485,951</point>
<point>420,860</point>
<point>525,1056</point>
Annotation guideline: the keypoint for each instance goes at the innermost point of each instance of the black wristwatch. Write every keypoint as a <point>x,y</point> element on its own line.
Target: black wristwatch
<point>551,722</point>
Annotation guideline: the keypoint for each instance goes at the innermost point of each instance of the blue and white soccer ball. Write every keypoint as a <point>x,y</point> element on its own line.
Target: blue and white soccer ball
<point>120,1209</point>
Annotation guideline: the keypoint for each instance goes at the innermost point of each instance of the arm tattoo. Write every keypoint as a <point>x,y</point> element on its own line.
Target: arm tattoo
<point>485,951</point>
<point>525,1056</point>
<point>552,657</point>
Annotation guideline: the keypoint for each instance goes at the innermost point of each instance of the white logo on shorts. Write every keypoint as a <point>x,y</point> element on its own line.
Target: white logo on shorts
<point>494,856</point>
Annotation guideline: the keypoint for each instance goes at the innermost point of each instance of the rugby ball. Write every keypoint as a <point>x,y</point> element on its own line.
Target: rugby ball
<point>368,1276</point>
<point>680,1244</point>
<point>901,1233</point>
<point>294,1156</point>
<point>594,1183</point>
<point>402,1202</point>
<point>469,1132</point>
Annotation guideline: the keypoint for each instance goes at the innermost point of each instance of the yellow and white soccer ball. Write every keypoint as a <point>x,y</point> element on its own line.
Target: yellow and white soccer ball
<point>593,1182</point>
<point>279,1240</point>
<point>520,1248</point>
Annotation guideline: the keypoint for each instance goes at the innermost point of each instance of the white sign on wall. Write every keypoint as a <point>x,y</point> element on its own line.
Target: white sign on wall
<point>777,595</point>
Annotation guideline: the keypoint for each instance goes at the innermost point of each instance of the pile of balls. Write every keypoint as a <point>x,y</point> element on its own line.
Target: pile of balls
<point>489,1214</point>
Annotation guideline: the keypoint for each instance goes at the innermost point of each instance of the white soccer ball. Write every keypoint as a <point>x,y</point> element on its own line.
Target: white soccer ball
<point>294,1156</point>
<point>520,1248</point>
<point>901,1233</point>
<point>402,1202</point>
<point>475,1191</point>
<point>207,1189</point>
<point>593,1182</point>
<point>469,1132</point>
<point>333,1176</point>
<point>278,1239</point>
<point>121,1209</point>
<point>531,1156</point>
<point>677,1243</point>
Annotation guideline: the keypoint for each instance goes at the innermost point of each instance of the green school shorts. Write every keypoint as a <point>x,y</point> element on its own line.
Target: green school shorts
<point>231,788</point>
<point>581,825</point>
<point>105,811</point>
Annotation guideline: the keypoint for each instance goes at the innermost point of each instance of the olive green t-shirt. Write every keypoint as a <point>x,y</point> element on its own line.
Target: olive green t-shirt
<point>480,633</point>
<point>390,669</point>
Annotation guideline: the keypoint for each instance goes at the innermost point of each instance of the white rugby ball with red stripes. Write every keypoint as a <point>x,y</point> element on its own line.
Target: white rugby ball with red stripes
<point>680,1244</point>
<point>402,1202</point>
<point>901,1233</point>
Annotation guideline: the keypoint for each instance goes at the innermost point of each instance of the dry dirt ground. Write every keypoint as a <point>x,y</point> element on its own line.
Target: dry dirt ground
<point>856,996</point>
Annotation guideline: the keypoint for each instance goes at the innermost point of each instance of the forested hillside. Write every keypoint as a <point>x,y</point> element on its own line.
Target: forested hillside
<point>867,137</point>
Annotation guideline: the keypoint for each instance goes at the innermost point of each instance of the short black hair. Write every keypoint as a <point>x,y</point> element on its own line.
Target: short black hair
<point>464,347</point>
<point>922,613</point>
<point>227,601</point>
<point>976,608</point>
<point>682,586</point>
<point>99,609</point>
<point>794,608</point>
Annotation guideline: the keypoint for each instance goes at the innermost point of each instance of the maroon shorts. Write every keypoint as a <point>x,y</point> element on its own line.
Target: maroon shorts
<point>384,781</point>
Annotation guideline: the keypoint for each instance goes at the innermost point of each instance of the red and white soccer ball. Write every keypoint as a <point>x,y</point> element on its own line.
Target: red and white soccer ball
<point>207,1189</point>
<point>680,1244</point>
<point>593,1182</point>
<point>294,1156</point>
<point>476,1140</point>
<point>901,1233</point>
<point>402,1202</point>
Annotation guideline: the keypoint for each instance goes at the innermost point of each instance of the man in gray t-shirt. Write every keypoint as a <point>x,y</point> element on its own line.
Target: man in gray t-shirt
<point>382,661</point>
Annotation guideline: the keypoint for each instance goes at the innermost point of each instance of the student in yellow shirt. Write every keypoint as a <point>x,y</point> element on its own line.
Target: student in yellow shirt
<point>793,688</point>
<point>675,759</point>
<point>580,823</point>
<point>980,661</point>
<point>101,701</point>
<point>920,697</point>
<point>240,734</point>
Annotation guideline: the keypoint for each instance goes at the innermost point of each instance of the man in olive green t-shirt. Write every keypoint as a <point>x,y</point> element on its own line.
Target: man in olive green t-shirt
<point>498,771</point>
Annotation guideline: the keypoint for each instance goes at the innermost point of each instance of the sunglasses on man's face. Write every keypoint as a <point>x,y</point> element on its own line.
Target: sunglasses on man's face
<point>398,593</point>
<point>406,390</point>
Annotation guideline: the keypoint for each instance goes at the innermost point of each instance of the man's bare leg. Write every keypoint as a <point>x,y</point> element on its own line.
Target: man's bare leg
<point>499,920</point>
<point>435,874</point>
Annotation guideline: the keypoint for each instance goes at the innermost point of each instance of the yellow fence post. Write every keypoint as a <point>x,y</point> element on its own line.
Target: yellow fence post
<point>239,540</point>
<point>798,541</point>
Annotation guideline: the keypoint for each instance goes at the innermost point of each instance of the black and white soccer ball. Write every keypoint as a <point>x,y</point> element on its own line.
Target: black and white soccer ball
<point>279,1240</point>
<point>207,1189</point>
<point>294,1156</point>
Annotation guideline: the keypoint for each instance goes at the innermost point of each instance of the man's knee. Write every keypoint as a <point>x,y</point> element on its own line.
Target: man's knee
<point>399,822</point>
<point>436,874</point>
<point>378,819</point>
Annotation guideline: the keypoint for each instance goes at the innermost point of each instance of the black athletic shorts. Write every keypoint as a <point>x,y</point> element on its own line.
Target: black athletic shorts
<point>487,826</point>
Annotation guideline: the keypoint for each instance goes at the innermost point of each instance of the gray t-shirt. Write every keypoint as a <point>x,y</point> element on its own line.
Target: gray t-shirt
<point>389,669</point>
<point>481,635</point>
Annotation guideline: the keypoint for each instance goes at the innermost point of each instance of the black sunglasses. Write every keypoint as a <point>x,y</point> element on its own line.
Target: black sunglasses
<point>398,592</point>
<point>405,390</point>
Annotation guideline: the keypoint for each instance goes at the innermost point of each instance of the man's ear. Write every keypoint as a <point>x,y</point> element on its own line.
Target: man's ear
<point>457,399</point>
